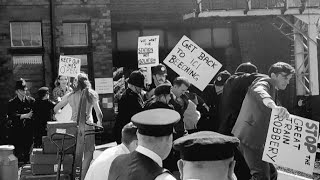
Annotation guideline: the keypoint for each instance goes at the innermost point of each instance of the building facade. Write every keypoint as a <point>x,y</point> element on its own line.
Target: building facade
<point>34,33</point>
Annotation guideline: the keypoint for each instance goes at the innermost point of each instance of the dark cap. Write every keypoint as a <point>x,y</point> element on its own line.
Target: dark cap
<point>136,78</point>
<point>164,88</point>
<point>206,146</point>
<point>156,122</point>
<point>247,68</point>
<point>21,84</point>
<point>160,69</point>
<point>222,78</point>
<point>43,91</point>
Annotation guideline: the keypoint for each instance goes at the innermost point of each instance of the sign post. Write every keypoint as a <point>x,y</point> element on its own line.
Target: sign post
<point>189,60</point>
<point>292,142</point>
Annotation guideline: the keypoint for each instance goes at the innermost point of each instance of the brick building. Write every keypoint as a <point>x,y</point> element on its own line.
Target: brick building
<point>33,33</point>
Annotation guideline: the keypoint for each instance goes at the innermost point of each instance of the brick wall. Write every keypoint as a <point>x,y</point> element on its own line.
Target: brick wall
<point>95,12</point>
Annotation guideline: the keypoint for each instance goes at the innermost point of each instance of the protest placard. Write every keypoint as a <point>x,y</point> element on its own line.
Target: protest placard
<point>69,66</point>
<point>148,51</point>
<point>189,60</point>
<point>291,142</point>
<point>103,85</point>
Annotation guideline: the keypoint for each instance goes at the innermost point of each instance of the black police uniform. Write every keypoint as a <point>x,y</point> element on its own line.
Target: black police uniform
<point>22,132</point>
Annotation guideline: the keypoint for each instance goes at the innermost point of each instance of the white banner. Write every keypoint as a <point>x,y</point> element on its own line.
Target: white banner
<point>189,60</point>
<point>292,142</point>
<point>148,51</point>
<point>69,66</point>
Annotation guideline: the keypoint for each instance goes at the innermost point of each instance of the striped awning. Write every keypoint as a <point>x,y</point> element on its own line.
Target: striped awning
<point>27,59</point>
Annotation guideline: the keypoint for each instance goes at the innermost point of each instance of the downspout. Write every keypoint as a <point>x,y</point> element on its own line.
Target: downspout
<point>53,41</point>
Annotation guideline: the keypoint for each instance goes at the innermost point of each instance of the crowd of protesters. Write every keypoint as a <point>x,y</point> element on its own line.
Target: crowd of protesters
<point>232,106</point>
<point>167,130</point>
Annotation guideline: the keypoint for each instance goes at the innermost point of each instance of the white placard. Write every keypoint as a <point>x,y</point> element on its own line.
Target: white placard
<point>189,60</point>
<point>103,85</point>
<point>292,142</point>
<point>148,51</point>
<point>146,71</point>
<point>69,66</point>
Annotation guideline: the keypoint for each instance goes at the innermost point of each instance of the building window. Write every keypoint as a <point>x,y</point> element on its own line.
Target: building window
<point>29,68</point>
<point>127,40</point>
<point>202,37</point>
<point>25,34</point>
<point>222,37</point>
<point>75,34</point>
<point>154,32</point>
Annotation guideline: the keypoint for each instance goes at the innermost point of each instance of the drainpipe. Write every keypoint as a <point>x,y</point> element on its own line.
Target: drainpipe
<point>53,40</point>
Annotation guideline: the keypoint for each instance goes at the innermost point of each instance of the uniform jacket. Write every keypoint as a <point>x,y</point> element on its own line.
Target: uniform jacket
<point>16,108</point>
<point>234,92</point>
<point>252,123</point>
<point>153,104</point>
<point>134,166</point>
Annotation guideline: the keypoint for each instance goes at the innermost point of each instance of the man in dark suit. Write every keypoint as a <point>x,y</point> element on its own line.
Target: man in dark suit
<point>252,123</point>
<point>155,127</point>
<point>130,103</point>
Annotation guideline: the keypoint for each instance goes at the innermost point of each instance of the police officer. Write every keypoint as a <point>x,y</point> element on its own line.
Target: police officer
<point>159,74</point>
<point>206,155</point>
<point>20,113</point>
<point>155,129</point>
<point>162,96</point>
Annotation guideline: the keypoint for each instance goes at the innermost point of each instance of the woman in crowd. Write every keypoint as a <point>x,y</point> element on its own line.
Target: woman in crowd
<point>61,89</point>
<point>82,85</point>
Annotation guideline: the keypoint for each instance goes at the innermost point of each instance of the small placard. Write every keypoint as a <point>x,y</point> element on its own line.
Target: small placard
<point>148,51</point>
<point>69,66</point>
<point>103,85</point>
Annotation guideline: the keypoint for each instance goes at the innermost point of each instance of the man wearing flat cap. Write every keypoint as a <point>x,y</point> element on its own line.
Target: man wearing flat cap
<point>154,134</point>
<point>159,74</point>
<point>162,97</point>
<point>20,114</point>
<point>130,102</point>
<point>206,155</point>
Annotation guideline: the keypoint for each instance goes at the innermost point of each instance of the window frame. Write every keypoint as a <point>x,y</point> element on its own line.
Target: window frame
<point>87,34</point>
<point>41,36</point>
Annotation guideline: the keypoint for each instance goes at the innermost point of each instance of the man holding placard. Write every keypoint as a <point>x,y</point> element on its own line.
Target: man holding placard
<point>252,123</point>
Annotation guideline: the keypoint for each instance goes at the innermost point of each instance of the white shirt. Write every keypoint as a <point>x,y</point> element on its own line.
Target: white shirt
<point>99,169</point>
<point>156,158</point>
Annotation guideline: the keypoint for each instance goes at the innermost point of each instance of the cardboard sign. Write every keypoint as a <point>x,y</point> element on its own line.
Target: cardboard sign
<point>291,142</point>
<point>148,51</point>
<point>103,85</point>
<point>146,71</point>
<point>189,60</point>
<point>69,66</point>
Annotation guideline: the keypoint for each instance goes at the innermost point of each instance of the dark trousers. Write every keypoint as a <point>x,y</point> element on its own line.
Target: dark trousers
<point>22,139</point>
<point>241,168</point>
<point>259,169</point>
